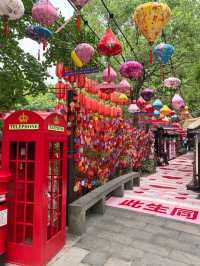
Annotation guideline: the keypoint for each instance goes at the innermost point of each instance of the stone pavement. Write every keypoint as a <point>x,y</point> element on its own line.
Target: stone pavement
<point>126,238</point>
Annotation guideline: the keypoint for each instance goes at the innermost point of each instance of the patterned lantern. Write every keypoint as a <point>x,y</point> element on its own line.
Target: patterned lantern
<point>172,83</point>
<point>39,34</point>
<point>157,104</point>
<point>11,10</point>
<point>165,110</point>
<point>109,45</point>
<point>60,70</point>
<point>178,102</point>
<point>82,54</point>
<point>107,87</point>
<point>150,19</point>
<point>174,118</point>
<point>131,70</point>
<point>141,103</point>
<point>109,74</point>
<point>133,108</point>
<point>44,12</point>
<point>147,94</point>
<point>163,52</point>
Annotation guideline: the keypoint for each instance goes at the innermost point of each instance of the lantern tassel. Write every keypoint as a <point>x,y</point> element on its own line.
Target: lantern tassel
<point>78,23</point>
<point>151,56</point>
<point>6,29</point>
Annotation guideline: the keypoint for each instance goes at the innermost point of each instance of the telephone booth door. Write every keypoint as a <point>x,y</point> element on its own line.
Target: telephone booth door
<point>35,153</point>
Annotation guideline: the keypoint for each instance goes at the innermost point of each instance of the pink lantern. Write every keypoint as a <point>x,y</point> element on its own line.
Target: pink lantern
<point>141,103</point>
<point>172,83</point>
<point>44,12</point>
<point>124,86</point>
<point>131,70</point>
<point>178,102</point>
<point>79,3</point>
<point>133,108</point>
<point>109,74</point>
<point>84,51</point>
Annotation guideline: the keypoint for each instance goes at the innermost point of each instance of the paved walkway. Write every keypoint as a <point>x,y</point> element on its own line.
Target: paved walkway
<point>164,193</point>
<point>126,236</point>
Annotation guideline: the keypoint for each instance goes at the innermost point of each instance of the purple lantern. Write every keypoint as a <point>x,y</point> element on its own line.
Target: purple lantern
<point>178,102</point>
<point>79,3</point>
<point>172,82</point>
<point>131,70</point>
<point>147,94</point>
<point>109,74</point>
<point>44,12</point>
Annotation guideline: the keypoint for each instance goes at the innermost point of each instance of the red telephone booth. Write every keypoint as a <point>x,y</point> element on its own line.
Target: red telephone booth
<point>34,149</point>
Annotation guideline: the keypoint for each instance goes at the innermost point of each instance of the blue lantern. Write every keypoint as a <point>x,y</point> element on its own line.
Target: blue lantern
<point>157,104</point>
<point>174,118</point>
<point>163,52</point>
<point>156,113</point>
<point>38,33</point>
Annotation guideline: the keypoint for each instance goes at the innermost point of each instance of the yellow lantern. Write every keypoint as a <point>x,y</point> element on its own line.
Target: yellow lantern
<point>165,110</point>
<point>151,18</point>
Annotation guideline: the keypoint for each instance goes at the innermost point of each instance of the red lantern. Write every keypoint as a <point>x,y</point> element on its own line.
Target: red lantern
<point>80,81</point>
<point>60,91</point>
<point>60,70</point>
<point>109,45</point>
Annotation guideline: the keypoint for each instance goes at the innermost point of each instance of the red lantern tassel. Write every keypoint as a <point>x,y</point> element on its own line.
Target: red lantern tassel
<point>78,23</point>
<point>151,56</point>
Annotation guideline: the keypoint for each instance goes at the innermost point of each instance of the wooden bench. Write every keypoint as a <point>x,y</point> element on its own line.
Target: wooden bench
<point>97,198</point>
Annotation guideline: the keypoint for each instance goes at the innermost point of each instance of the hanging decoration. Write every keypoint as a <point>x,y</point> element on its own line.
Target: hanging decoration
<point>133,108</point>
<point>147,94</point>
<point>131,70</point>
<point>157,104</point>
<point>109,75</point>
<point>45,13</point>
<point>163,53</point>
<point>82,54</point>
<point>172,82</point>
<point>150,18</point>
<point>124,87</point>
<point>156,113</point>
<point>10,10</point>
<point>174,118</point>
<point>165,110</point>
<point>39,34</point>
<point>141,103</point>
<point>178,102</point>
<point>79,4</point>
<point>60,70</point>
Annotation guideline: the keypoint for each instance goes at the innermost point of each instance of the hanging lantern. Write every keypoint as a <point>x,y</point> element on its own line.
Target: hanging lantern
<point>174,118</point>
<point>178,102</point>
<point>61,90</point>
<point>131,70</point>
<point>82,54</point>
<point>39,34</point>
<point>79,4</point>
<point>109,74</point>
<point>163,53</point>
<point>157,104</point>
<point>156,113</point>
<point>60,70</point>
<point>141,103</point>
<point>109,45</point>
<point>44,12</point>
<point>172,83</point>
<point>147,94</point>
<point>133,108</point>
<point>107,87</point>
<point>149,108</point>
<point>10,10</point>
<point>150,19</point>
<point>124,86</point>
<point>165,110</point>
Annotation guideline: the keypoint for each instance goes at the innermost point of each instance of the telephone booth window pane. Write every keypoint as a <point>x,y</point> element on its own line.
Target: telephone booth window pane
<point>31,151</point>
<point>29,213</point>
<point>28,235</point>
<point>20,190</point>
<point>13,150</point>
<point>54,188</point>
<point>20,212</point>
<point>30,171</point>
<point>19,233</point>
<point>30,193</point>
<point>22,151</point>
<point>21,170</point>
